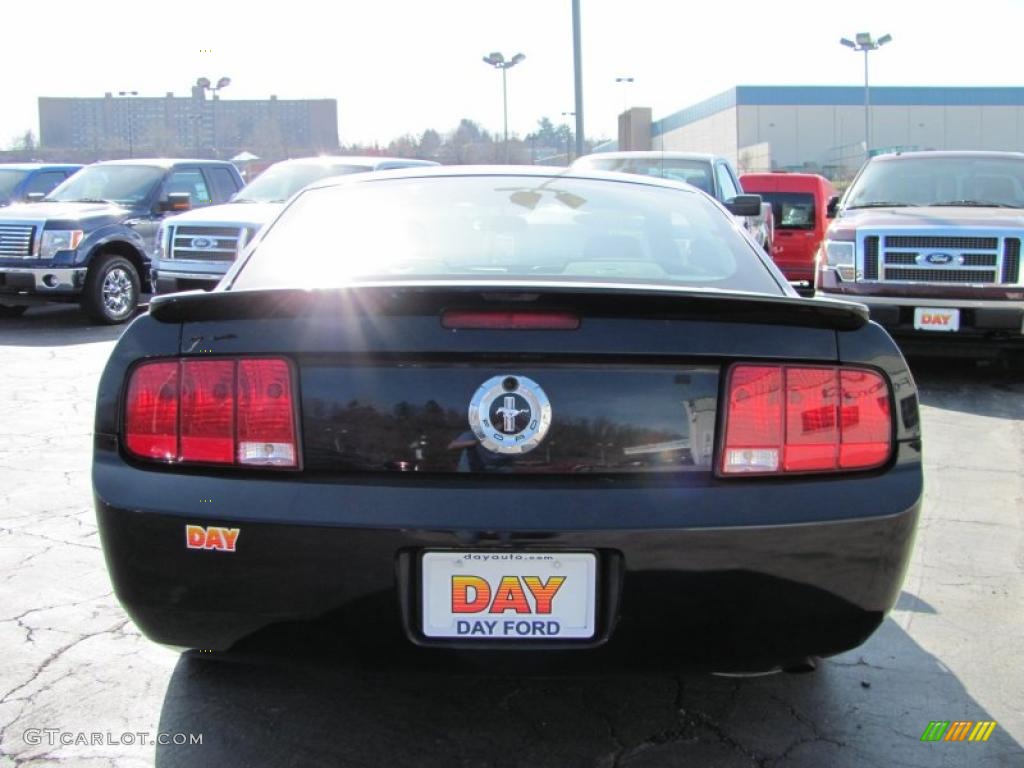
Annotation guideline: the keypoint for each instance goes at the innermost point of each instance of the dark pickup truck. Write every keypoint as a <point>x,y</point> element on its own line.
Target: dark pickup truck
<point>930,242</point>
<point>91,240</point>
<point>26,182</point>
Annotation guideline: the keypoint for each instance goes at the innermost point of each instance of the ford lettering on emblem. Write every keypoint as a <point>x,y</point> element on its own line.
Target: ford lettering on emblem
<point>202,243</point>
<point>938,259</point>
<point>510,414</point>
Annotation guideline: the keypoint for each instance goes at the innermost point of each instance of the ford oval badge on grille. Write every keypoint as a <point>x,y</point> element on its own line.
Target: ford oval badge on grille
<point>203,243</point>
<point>934,258</point>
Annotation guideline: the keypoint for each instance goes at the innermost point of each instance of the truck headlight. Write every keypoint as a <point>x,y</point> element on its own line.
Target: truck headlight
<point>158,245</point>
<point>841,255</point>
<point>59,240</point>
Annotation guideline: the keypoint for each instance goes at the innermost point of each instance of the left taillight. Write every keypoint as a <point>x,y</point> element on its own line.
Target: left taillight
<point>783,419</point>
<point>151,411</point>
<point>225,412</point>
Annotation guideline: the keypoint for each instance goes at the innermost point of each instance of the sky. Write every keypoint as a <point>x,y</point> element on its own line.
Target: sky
<point>398,67</point>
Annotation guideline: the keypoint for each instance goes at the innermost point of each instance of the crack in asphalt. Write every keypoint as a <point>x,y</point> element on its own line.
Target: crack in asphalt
<point>41,668</point>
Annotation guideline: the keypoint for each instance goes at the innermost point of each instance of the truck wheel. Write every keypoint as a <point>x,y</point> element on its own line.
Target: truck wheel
<point>6,311</point>
<point>111,292</point>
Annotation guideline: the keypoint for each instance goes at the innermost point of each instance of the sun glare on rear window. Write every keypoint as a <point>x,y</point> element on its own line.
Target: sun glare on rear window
<point>504,228</point>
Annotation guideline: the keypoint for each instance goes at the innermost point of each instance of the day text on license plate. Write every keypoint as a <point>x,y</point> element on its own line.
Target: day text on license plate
<point>501,595</point>
<point>936,319</point>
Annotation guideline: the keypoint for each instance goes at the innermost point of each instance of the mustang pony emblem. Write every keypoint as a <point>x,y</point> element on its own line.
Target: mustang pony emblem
<point>510,414</point>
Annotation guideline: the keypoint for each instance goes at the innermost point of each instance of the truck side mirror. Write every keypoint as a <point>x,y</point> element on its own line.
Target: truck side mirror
<point>744,205</point>
<point>176,202</point>
<point>35,197</point>
<point>833,207</point>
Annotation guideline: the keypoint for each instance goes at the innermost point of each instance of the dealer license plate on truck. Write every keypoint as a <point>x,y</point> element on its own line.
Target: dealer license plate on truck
<point>935,319</point>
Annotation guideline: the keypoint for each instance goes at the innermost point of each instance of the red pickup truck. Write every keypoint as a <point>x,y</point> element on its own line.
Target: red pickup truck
<point>801,203</point>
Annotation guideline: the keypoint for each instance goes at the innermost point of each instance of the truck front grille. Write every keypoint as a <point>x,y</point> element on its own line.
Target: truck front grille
<point>17,241</point>
<point>1011,260</point>
<point>940,275</point>
<point>870,258</point>
<point>985,258</point>
<point>931,241</point>
<point>205,243</point>
<point>979,259</point>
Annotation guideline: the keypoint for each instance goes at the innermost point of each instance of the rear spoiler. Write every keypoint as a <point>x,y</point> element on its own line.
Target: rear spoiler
<point>589,299</point>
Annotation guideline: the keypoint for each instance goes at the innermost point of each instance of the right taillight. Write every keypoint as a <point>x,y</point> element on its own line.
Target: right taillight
<point>220,412</point>
<point>783,419</point>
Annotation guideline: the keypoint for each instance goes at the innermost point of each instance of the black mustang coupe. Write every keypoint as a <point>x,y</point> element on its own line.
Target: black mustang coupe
<point>509,412</point>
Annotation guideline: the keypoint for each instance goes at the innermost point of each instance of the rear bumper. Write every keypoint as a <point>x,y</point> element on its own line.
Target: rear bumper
<point>345,555</point>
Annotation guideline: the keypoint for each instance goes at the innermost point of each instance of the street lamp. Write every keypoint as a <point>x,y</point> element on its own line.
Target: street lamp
<point>131,141</point>
<point>568,140</point>
<point>864,42</point>
<point>498,61</point>
<point>204,84</point>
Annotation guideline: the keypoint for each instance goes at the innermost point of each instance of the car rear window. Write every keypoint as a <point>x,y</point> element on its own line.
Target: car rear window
<point>504,227</point>
<point>792,210</point>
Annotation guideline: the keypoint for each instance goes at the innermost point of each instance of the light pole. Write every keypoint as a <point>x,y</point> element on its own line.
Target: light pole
<point>577,68</point>
<point>131,138</point>
<point>626,82</point>
<point>204,84</point>
<point>498,61</point>
<point>568,140</point>
<point>864,42</point>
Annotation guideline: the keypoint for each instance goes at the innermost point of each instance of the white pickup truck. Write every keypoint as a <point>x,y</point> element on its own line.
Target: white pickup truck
<point>710,173</point>
<point>195,249</point>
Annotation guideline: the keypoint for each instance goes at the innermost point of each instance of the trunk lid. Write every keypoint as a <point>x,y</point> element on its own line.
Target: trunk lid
<point>384,386</point>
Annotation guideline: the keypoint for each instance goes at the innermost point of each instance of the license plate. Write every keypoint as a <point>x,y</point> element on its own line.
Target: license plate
<point>934,319</point>
<point>509,595</point>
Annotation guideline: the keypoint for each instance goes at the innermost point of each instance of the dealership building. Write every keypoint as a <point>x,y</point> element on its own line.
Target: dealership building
<point>822,128</point>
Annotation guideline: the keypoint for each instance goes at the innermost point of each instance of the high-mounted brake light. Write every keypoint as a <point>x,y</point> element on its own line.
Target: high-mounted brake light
<point>519,320</point>
<point>212,412</point>
<point>790,418</point>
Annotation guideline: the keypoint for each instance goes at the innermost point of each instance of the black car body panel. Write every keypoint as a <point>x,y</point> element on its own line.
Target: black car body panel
<point>692,567</point>
<point>807,565</point>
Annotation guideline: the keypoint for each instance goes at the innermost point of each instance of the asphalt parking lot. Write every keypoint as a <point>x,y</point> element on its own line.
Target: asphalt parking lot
<point>74,664</point>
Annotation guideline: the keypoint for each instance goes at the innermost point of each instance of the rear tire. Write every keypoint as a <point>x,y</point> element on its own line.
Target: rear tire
<point>111,293</point>
<point>6,311</point>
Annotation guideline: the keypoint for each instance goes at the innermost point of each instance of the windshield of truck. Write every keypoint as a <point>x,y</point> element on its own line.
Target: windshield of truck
<point>280,182</point>
<point>695,172</point>
<point>125,184</point>
<point>9,179</point>
<point>792,210</point>
<point>927,181</point>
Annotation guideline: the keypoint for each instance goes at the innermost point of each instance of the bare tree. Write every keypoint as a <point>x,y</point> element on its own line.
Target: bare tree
<point>24,141</point>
